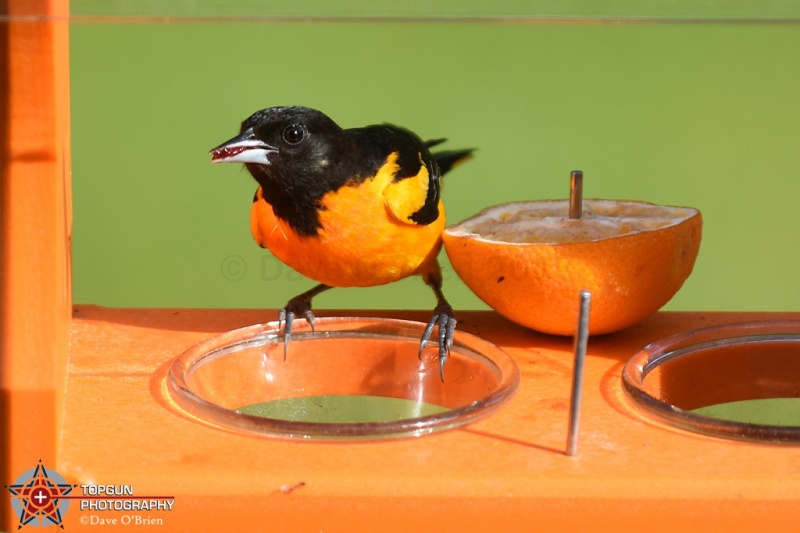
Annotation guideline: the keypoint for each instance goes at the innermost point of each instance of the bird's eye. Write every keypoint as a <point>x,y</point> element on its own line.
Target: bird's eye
<point>294,134</point>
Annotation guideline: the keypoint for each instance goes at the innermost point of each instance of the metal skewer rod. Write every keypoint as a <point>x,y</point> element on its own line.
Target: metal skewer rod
<point>581,342</point>
<point>576,194</point>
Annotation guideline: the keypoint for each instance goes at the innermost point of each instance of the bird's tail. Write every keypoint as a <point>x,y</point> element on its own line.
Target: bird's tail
<point>451,159</point>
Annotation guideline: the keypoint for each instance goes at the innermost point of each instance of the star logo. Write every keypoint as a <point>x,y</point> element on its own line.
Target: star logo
<point>39,497</point>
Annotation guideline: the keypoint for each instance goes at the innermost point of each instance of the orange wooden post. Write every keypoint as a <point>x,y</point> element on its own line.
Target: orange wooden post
<point>35,212</point>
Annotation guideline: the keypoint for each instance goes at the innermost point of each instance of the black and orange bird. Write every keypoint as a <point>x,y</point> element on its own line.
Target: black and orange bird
<point>346,207</point>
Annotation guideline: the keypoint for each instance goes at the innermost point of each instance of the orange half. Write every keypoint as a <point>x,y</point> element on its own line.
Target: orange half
<point>529,260</point>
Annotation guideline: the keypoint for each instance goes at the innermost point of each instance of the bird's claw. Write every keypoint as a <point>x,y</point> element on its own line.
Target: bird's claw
<point>286,318</point>
<point>444,319</point>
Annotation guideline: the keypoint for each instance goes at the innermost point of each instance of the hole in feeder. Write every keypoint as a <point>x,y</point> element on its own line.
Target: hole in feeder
<point>351,378</point>
<point>737,381</point>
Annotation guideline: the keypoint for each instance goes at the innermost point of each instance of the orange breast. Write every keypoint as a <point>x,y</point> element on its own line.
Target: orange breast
<point>361,242</point>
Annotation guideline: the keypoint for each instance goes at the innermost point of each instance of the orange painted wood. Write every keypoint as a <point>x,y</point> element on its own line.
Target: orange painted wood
<point>35,225</point>
<point>508,472</point>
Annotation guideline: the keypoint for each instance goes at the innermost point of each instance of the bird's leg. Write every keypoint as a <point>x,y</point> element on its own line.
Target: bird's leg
<point>443,318</point>
<point>299,305</point>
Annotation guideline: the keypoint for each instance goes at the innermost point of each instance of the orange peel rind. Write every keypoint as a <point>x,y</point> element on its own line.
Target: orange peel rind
<point>529,260</point>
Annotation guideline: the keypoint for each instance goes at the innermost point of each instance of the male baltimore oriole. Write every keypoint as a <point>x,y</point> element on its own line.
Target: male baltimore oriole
<point>346,207</point>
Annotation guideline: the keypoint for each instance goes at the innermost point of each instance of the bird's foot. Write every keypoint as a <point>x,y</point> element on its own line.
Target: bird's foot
<point>297,306</point>
<point>445,320</point>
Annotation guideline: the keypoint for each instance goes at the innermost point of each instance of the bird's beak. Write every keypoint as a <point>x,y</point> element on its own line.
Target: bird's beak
<point>244,148</point>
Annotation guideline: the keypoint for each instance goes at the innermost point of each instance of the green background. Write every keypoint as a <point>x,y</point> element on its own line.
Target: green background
<point>694,106</point>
